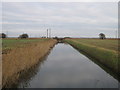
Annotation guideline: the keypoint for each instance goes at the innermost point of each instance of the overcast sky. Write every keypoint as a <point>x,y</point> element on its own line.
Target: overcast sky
<point>80,19</point>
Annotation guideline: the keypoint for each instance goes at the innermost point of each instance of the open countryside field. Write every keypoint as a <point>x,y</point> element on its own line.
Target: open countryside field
<point>110,44</point>
<point>21,54</point>
<point>13,43</point>
<point>68,44</point>
<point>105,51</point>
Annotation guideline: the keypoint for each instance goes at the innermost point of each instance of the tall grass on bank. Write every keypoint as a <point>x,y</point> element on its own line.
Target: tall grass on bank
<point>13,43</point>
<point>105,56</point>
<point>22,58</point>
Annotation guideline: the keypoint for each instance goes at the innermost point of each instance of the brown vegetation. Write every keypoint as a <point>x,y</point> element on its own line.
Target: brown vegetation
<point>20,59</point>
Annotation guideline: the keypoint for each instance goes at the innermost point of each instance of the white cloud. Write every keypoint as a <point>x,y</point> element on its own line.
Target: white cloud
<point>70,16</point>
<point>60,0</point>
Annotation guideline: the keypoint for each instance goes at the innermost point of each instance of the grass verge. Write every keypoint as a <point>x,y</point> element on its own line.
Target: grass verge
<point>8,44</point>
<point>22,58</point>
<point>106,56</point>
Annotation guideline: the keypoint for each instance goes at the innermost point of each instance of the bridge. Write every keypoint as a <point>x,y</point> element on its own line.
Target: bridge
<point>60,40</point>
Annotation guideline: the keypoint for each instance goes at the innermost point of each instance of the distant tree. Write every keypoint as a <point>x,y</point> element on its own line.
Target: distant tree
<point>66,37</point>
<point>23,36</point>
<point>3,35</point>
<point>55,37</point>
<point>43,37</point>
<point>102,36</point>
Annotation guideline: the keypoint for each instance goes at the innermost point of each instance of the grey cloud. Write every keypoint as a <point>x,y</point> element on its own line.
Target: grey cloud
<point>65,19</point>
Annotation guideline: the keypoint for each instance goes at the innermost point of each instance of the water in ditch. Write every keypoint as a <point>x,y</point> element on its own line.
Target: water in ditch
<point>65,67</point>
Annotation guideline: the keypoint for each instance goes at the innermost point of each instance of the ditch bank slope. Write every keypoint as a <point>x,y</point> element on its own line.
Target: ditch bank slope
<point>21,59</point>
<point>105,56</point>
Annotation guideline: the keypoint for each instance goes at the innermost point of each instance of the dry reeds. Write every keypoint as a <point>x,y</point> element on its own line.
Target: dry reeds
<point>23,58</point>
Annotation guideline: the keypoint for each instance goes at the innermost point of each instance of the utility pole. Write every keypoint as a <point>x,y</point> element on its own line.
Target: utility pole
<point>47,33</point>
<point>116,34</point>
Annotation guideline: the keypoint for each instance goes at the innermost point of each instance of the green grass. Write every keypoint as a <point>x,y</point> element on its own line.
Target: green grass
<point>107,44</point>
<point>12,43</point>
<point>102,50</point>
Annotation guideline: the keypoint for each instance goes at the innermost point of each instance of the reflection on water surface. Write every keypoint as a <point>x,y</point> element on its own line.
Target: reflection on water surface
<point>65,67</point>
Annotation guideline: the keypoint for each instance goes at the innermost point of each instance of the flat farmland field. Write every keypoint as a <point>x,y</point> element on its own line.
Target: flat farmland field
<point>12,43</point>
<point>111,44</point>
<point>105,51</point>
<point>21,54</point>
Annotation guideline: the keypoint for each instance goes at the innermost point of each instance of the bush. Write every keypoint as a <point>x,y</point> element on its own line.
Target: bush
<point>24,36</point>
<point>3,35</point>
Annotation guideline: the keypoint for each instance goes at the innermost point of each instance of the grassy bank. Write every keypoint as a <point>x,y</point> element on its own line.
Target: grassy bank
<point>105,51</point>
<point>8,44</point>
<point>23,54</point>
